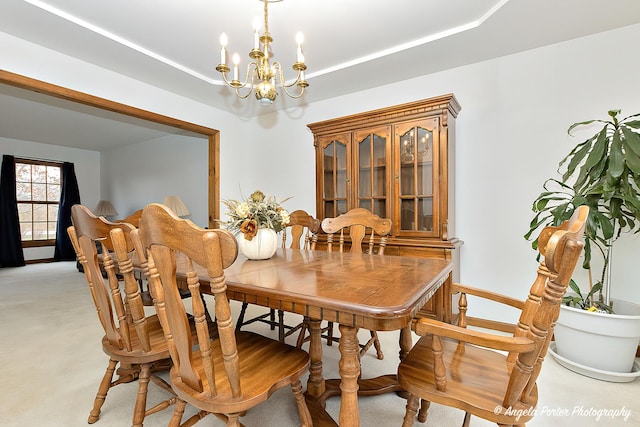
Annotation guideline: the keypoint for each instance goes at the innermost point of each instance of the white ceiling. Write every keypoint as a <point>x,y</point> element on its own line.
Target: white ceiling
<point>350,45</point>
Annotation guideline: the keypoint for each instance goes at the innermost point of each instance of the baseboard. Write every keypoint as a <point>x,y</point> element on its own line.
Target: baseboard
<point>38,261</point>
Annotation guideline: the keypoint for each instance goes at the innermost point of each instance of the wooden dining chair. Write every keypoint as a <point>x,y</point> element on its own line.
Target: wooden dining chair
<point>131,338</point>
<point>493,375</point>
<point>367,233</point>
<point>133,219</point>
<point>228,374</point>
<point>303,229</point>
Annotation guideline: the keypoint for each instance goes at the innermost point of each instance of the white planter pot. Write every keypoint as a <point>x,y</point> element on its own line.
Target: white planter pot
<point>604,342</point>
<point>262,246</point>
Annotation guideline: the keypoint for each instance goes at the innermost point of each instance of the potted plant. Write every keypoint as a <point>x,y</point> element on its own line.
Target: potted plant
<point>602,172</point>
<point>256,222</point>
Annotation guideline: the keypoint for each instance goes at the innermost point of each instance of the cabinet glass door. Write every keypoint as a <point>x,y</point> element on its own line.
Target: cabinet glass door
<point>335,178</point>
<point>416,146</point>
<point>372,171</point>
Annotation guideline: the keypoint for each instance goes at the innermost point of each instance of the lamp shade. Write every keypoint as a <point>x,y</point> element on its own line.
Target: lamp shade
<point>176,204</point>
<point>105,208</point>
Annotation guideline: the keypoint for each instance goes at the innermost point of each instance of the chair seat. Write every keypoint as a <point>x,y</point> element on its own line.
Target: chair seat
<point>477,377</point>
<point>269,365</point>
<point>156,337</point>
<point>137,354</point>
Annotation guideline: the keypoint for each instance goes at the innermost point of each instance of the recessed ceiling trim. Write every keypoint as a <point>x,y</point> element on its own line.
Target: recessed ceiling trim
<point>405,46</point>
<point>376,55</point>
<point>121,40</point>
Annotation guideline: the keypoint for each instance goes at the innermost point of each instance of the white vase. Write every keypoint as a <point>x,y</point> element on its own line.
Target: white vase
<point>603,342</point>
<point>262,246</point>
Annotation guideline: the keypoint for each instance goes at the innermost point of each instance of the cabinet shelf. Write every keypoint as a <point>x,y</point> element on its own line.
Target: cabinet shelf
<point>411,164</point>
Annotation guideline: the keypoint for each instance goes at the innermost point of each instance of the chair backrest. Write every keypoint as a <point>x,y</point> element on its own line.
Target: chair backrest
<point>359,222</point>
<point>170,241</point>
<point>561,248</point>
<point>115,311</point>
<point>303,227</point>
<point>133,219</point>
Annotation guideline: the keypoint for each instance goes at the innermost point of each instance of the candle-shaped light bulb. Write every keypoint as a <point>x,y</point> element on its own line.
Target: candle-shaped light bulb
<point>256,33</point>
<point>299,40</point>
<point>223,50</point>
<point>236,61</point>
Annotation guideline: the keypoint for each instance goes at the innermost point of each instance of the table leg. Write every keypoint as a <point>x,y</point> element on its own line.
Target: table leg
<point>349,368</point>
<point>315,384</point>
<point>406,341</point>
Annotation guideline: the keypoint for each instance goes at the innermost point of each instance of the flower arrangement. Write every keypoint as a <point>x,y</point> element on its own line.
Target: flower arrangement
<point>256,212</point>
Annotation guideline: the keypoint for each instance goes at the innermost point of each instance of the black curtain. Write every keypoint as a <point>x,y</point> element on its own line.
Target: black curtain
<point>69,197</point>
<point>11,254</point>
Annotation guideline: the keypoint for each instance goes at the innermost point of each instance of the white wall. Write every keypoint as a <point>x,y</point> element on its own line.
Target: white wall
<point>511,133</point>
<point>86,165</point>
<point>144,173</point>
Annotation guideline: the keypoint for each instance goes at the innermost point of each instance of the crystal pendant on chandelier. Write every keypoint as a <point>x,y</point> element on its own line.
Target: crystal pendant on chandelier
<point>262,76</point>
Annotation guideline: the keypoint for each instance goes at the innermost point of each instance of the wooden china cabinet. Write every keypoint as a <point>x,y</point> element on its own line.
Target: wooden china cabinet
<point>397,162</point>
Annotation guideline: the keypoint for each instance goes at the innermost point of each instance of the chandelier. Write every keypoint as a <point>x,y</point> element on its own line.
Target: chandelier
<point>262,76</point>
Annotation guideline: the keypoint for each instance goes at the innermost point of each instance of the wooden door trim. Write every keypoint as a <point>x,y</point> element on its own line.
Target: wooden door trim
<point>212,135</point>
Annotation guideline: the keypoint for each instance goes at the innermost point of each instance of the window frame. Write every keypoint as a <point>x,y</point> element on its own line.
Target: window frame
<point>38,162</point>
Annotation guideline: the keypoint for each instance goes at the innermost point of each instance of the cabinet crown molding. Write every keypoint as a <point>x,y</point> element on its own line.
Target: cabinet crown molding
<point>443,105</point>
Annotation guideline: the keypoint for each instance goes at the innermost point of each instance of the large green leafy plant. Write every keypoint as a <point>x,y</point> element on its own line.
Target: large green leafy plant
<point>603,172</point>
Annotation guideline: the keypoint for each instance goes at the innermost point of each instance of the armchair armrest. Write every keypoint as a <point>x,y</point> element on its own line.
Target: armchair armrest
<point>425,326</point>
<point>464,320</point>
<point>483,293</point>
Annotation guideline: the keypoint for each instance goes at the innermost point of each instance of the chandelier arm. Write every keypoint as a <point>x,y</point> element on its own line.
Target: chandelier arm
<point>250,72</point>
<point>251,87</point>
<point>290,95</point>
<point>237,90</point>
<point>280,74</point>
<point>246,79</point>
<point>224,78</point>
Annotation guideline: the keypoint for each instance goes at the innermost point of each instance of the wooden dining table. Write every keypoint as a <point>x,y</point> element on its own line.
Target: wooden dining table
<point>381,293</point>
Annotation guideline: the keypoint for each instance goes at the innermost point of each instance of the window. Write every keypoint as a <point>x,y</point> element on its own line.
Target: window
<point>38,189</point>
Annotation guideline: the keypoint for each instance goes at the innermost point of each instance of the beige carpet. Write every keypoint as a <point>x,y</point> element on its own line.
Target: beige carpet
<point>52,362</point>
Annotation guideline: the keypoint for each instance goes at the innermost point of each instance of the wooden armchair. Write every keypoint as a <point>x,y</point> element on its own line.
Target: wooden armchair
<point>358,223</point>
<point>230,373</point>
<point>459,367</point>
<point>131,338</point>
<point>303,228</point>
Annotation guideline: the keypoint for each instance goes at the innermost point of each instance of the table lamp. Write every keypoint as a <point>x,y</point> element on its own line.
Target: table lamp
<point>105,208</point>
<point>176,204</point>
